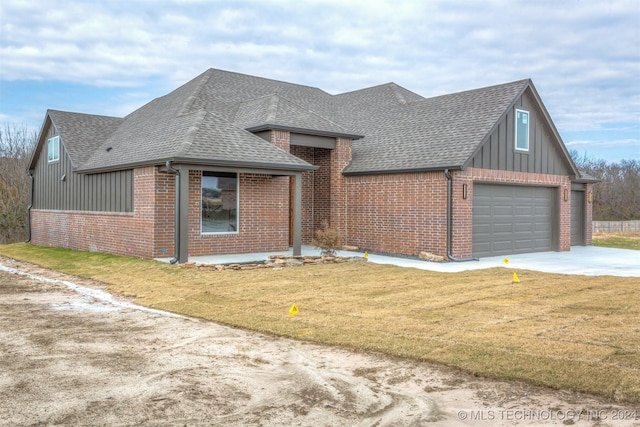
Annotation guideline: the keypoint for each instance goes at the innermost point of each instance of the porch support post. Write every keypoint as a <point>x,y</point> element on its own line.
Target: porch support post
<point>297,214</point>
<point>183,206</point>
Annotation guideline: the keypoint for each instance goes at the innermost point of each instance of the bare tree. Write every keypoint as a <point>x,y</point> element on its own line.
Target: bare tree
<point>617,196</point>
<point>16,144</point>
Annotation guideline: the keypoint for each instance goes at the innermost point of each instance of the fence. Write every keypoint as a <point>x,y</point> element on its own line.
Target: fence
<point>615,226</point>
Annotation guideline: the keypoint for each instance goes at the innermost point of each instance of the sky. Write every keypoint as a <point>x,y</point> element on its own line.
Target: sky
<point>110,57</point>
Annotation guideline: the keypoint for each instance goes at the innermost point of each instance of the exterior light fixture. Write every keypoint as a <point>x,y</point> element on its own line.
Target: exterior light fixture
<point>566,195</point>
<point>464,191</point>
<point>589,197</point>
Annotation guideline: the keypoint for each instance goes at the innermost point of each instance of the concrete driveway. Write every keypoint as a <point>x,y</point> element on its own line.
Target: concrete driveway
<point>585,260</point>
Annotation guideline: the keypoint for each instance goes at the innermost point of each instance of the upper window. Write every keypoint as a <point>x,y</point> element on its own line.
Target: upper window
<point>53,149</point>
<point>219,202</point>
<point>522,130</point>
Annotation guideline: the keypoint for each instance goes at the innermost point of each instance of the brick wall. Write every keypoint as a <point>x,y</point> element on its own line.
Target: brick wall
<point>148,232</point>
<point>397,213</point>
<point>588,232</point>
<point>316,190</point>
<point>407,213</point>
<point>263,217</point>
<point>112,232</point>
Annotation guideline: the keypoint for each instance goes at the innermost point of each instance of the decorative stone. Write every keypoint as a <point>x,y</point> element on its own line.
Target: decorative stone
<point>428,256</point>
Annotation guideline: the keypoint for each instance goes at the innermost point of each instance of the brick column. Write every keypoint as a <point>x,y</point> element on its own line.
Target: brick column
<point>588,220</point>
<point>565,215</point>
<point>340,157</point>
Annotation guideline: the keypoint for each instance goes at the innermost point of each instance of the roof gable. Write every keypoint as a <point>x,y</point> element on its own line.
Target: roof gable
<point>81,134</point>
<point>209,119</point>
<point>433,133</point>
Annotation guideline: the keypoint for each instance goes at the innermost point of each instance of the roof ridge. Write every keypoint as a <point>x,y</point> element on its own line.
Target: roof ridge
<point>272,108</point>
<point>191,99</point>
<point>193,130</point>
<point>480,89</point>
<point>312,112</point>
<point>211,70</point>
<point>394,88</point>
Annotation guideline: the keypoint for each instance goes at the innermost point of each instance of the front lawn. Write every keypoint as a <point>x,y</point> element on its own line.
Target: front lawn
<point>622,240</point>
<point>571,332</point>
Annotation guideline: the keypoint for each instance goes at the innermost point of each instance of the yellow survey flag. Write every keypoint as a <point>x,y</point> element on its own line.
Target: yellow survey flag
<point>515,278</point>
<point>506,260</point>
<point>366,254</point>
<point>293,310</point>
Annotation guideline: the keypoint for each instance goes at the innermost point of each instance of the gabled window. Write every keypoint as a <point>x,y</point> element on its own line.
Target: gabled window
<point>522,130</point>
<point>53,149</point>
<point>219,202</point>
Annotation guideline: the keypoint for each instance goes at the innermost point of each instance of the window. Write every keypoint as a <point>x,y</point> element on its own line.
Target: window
<point>53,149</point>
<point>522,130</point>
<point>219,202</point>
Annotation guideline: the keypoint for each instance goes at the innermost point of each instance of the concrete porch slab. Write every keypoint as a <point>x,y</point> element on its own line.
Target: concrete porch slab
<point>584,260</point>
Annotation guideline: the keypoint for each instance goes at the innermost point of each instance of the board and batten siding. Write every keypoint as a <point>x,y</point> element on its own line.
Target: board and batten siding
<point>56,187</point>
<point>498,151</point>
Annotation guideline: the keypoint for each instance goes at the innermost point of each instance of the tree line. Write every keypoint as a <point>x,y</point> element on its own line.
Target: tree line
<point>16,145</point>
<point>615,198</point>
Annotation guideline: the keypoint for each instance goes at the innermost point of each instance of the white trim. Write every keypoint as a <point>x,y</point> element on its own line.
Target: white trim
<point>215,233</point>
<point>49,141</point>
<point>528,130</point>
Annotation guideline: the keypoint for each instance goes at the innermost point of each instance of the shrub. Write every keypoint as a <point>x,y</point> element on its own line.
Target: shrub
<point>327,240</point>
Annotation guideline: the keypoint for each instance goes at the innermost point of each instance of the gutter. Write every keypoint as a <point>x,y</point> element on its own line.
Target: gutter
<point>29,209</point>
<point>449,221</point>
<point>176,243</point>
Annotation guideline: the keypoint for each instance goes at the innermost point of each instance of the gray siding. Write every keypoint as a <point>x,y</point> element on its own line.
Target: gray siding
<point>544,155</point>
<point>106,192</point>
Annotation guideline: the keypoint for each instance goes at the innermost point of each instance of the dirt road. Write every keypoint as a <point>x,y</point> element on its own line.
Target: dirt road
<point>70,354</point>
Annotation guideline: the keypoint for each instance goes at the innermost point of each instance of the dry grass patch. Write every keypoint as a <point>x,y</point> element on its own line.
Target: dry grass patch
<point>622,240</point>
<point>562,331</point>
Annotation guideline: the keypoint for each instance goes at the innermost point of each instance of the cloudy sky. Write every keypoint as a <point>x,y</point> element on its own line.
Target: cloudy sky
<point>110,56</point>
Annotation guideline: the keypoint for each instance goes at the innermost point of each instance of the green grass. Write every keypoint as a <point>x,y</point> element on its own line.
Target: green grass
<point>626,240</point>
<point>562,331</point>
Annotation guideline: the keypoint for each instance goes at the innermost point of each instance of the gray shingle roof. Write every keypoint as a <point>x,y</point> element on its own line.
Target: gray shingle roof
<point>431,133</point>
<point>207,119</point>
<point>81,133</point>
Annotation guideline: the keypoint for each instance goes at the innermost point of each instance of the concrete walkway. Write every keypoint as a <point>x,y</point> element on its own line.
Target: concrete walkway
<point>585,260</point>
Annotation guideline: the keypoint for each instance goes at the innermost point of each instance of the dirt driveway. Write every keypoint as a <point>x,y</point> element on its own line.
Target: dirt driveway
<point>72,355</point>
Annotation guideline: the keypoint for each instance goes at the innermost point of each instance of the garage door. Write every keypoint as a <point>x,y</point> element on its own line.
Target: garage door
<point>577,218</point>
<point>509,219</point>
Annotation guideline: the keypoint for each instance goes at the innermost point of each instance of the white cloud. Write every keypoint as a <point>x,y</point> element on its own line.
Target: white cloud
<point>582,55</point>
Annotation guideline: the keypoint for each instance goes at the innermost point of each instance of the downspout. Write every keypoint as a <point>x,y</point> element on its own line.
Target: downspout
<point>449,221</point>
<point>176,242</point>
<point>29,209</point>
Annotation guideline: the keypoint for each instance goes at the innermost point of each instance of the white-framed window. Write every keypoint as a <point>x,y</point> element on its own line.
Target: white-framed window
<point>53,149</point>
<point>220,203</point>
<point>522,130</point>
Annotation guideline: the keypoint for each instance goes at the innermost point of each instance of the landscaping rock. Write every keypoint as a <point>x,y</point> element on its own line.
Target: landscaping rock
<point>428,256</point>
<point>276,262</point>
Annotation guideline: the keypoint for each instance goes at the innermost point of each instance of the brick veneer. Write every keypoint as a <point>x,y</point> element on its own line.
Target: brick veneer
<point>263,216</point>
<point>316,190</point>
<point>148,232</point>
<point>395,213</point>
<point>407,213</point>
<point>116,233</point>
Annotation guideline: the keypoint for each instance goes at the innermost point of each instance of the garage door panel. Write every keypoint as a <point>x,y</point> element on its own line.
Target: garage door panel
<point>511,219</point>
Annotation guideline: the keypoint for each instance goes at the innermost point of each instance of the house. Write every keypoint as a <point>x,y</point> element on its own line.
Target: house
<point>232,163</point>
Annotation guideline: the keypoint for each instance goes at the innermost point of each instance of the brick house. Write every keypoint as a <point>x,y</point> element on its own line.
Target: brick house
<point>231,163</point>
